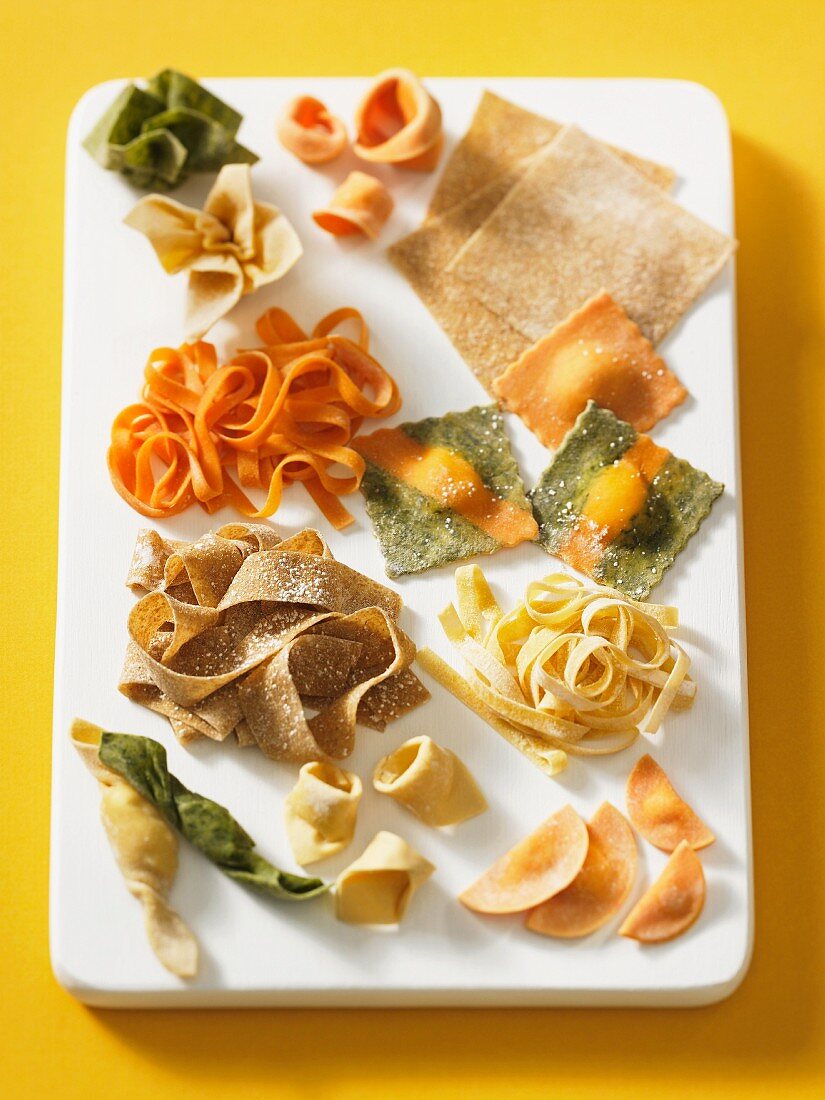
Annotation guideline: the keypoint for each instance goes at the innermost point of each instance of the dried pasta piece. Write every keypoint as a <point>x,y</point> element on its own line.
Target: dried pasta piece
<point>229,249</point>
<point>537,868</point>
<point>378,887</point>
<point>430,781</point>
<point>156,137</point>
<point>672,904</point>
<point>443,489</point>
<point>501,137</point>
<point>544,756</point>
<point>616,506</point>
<point>572,669</point>
<point>485,341</point>
<point>250,654</point>
<point>274,710</point>
<point>596,354</point>
<point>600,888</point>
<point>658,812</point>
<point>580,221</point>
<point>320,811</point>
<point>146,849</point>
<point>398,122</point>
<point>361,204</point>
<point>310,132</point>
<point>280,414</point>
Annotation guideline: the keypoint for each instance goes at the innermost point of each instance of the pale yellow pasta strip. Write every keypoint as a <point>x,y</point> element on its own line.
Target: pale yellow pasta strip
<point>430,781</point>
<point>320,811</point>
<point>478,608</point>
<point>549,760</point>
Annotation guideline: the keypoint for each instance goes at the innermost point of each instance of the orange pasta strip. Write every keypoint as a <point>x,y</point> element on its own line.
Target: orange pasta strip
<point>360,205</point>
<point>449,479</point>
<point>617,494</point>
<point>279,414</point>
<point>310,132</point>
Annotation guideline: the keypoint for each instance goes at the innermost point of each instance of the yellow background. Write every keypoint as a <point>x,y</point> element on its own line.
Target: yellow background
<point>766,60</point>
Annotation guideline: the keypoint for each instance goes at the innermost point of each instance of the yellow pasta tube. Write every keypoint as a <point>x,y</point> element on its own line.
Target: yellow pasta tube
<point>378,886</point>
<point>146,849</point>
<point>430,781</point>
<point>320,811</point>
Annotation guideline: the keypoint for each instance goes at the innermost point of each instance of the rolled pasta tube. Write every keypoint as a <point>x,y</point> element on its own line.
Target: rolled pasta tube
<point>146,849</point>
<point>378,886</point>
<point>430,781</point>
<point>310,132</point>
<point>398,122</point>
<point>320,811</point>
<point>361,204</point>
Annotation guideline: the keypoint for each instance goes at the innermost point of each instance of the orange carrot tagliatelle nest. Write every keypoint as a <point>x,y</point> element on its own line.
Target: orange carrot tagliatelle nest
<point>281,413</point>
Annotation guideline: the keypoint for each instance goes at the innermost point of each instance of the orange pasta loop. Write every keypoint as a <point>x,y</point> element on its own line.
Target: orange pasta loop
<point>398,122</point>
<point>274,415</point>
<point>360,205</point>
<point>310,132</point>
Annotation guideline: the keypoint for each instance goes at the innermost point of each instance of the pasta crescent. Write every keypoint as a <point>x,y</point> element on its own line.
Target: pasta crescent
<point>308,131</point>
<point>672,904</point>
<point>320,811</point>
<point>602,886</point>
<point>362,204</point>
<point>146,849</point>
<point>430,781</point>
<point>378,887</point>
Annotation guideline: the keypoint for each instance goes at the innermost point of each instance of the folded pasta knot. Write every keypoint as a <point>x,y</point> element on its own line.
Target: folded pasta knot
<point>430,781</point>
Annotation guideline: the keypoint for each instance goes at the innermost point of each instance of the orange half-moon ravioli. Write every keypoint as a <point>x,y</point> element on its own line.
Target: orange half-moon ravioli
<point>310,132</point>
<point>602,885</point>
<point>657,811</point>
<point>541,865</point>
<point>398,122</point>
<point>596,354</point>
<point>361,204</point>
<point>673,902</point>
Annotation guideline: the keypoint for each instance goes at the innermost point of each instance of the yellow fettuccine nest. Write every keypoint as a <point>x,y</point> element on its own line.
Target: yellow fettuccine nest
<point>244,633</point>
<point>570,669</point>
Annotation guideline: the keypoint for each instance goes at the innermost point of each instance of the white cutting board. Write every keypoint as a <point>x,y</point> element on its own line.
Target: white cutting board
<point>118,306</point>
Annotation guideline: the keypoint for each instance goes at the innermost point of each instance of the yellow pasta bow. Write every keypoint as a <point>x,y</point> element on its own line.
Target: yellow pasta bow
<point>230,248</point>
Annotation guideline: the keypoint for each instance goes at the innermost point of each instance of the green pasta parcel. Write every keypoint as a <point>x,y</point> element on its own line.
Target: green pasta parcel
<point>156,137</point>
<point>618,507</point>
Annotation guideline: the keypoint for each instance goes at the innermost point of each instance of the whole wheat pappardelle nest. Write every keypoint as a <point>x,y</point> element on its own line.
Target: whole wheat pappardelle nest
<point>241,633</point>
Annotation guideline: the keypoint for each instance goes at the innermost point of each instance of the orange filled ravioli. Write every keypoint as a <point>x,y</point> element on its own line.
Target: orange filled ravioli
<point>596,354</point>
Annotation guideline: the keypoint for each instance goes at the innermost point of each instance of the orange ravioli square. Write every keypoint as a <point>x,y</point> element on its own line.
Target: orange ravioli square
<point>596,354</point>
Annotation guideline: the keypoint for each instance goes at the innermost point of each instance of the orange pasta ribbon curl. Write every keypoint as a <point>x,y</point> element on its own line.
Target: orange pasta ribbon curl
<point>281,413</point>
